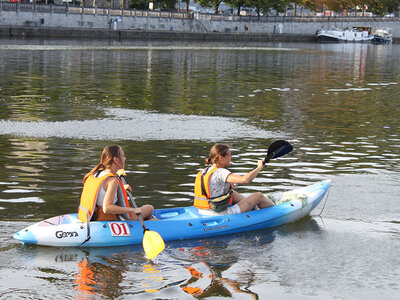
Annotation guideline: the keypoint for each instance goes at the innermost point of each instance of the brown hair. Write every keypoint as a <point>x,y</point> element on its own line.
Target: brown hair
<point>216,151</point>
<point>107,158</point>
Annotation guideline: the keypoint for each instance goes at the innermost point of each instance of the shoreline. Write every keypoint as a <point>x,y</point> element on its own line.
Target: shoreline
<point>99,33</point>
<point>78,33</point>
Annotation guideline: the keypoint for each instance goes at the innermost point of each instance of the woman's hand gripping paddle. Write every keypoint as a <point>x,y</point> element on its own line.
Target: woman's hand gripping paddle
<point>278,149</point>
<point>153,244</point>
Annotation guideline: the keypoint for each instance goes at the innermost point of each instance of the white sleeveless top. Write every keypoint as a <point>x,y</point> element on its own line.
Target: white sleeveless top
<point>102,193</point>
<point>118,199</point>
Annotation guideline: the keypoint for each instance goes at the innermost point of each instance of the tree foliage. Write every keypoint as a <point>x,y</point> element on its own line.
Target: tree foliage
<point>379,7</point>
<point>210,3</point>
<point>139,4</point>
<point>310,4</point>
<point>169,4</point>
<point>238,4</point>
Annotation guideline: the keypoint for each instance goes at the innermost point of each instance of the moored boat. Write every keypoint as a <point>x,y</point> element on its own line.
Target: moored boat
<point>382,36</point>
<point>173,223</point>
<point>355,34</point>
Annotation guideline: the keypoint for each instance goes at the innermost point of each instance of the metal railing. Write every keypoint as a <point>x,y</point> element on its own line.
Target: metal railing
<point>67,9</point>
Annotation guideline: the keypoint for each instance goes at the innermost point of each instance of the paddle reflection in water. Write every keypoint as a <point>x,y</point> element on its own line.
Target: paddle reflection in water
<point>207,281</point>
<point>211,257</point>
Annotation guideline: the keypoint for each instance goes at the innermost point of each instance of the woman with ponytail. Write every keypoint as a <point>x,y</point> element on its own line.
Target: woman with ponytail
<point>104,196</point>
<point>213,186</point>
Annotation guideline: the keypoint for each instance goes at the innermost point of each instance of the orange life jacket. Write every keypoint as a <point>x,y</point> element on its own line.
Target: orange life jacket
<point>89,196</point>
<point>202,195</point>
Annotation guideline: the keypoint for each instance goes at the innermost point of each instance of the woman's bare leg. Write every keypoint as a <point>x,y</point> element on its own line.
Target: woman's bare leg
<point>256,199</point>
<point>147,212</point>
<point>237,197</point>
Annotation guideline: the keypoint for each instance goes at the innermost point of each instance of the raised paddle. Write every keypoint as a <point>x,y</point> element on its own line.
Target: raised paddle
<point>153,244</point>
<point>278,149</point>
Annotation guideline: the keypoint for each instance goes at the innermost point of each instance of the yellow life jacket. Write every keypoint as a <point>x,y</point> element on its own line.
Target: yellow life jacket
<point>89,196</point>
<point>202,197</point>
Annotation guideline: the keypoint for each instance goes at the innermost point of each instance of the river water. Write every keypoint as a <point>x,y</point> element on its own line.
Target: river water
<point>62,102</point>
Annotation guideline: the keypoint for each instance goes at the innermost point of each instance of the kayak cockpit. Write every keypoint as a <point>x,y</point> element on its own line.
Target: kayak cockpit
<point>59,220</point>
<point>179,213</point>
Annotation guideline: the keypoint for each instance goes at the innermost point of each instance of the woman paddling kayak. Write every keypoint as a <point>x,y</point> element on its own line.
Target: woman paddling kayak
<point>213,193</point>
<point>104,196</point>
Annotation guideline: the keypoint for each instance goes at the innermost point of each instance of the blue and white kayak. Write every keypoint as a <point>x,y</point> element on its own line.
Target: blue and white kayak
<point>173,223</point>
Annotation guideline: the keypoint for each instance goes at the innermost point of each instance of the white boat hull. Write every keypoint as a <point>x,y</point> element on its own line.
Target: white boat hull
<point>337,35</point>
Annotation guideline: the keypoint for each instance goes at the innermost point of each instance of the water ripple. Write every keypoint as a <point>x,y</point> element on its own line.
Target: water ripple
<point>23,200</point>
<point>137,47</point>
<point>126,124</point>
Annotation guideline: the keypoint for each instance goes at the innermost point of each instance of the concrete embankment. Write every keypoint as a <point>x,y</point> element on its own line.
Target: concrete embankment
<point>51,32</point>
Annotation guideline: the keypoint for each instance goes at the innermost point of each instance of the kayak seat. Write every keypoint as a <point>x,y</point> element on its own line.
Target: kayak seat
<point>178,213</point>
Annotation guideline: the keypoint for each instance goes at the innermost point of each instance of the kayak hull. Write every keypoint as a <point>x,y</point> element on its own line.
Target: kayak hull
<point>173,223</point>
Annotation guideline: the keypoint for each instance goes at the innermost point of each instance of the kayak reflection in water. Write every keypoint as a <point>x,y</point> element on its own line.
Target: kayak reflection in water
<point>213,193</point>
<point>100,277</point>
<point>104,195</point>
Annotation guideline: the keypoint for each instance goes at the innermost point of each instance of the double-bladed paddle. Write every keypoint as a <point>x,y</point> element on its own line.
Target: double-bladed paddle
<point>278,149</point>
<point>153,244</point>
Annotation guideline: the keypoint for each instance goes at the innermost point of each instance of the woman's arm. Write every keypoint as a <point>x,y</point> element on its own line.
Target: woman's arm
<point>111,186</point>
<point>239,179</point>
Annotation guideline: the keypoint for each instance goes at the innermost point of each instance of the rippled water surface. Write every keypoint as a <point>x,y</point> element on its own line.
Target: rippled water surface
<point>166,104</point>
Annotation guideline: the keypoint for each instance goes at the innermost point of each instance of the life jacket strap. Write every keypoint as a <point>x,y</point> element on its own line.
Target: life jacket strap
<point>203,187</point>
<point>87,223</point>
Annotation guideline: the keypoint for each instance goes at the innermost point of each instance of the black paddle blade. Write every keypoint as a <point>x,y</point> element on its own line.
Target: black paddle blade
<point>278,149</point>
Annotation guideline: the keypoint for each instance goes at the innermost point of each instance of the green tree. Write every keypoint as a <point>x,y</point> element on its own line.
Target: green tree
<point>266,6</point>
<point>280,6</point>
<point>339,5</point>
<point>380,7</point>
<point>210,3</point>
<point>169,4</point>
<point>139,4</point>
<point>238,4</point>
<point>310,4</point>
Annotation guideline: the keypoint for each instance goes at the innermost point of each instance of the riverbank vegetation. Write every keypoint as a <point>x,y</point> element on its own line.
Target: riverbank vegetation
<point>263,7</point>
<point>328,8</point>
